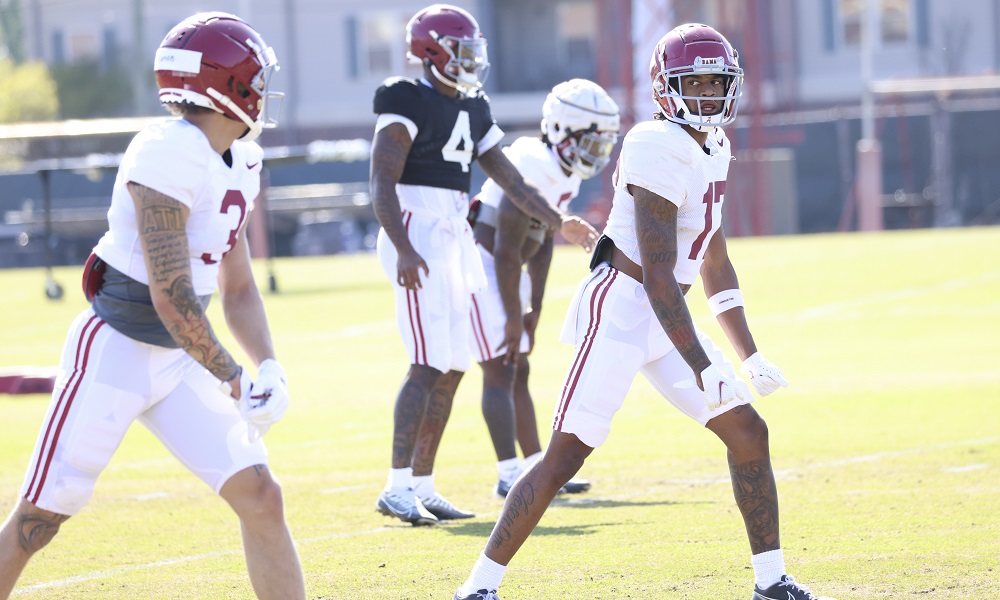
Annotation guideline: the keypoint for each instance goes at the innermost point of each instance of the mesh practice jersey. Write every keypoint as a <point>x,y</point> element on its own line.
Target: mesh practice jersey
<point>663,158</point>
<point>175,158</point>
<point>448,131</point>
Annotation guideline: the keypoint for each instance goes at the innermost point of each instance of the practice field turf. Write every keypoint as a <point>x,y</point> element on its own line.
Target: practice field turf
<point>886,446</point>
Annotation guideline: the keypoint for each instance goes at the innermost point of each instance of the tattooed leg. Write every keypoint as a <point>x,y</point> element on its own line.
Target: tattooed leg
<point>532,494</point>
<point>432,425</point>
<point>26,531</point>
<point>757,498</point>
<point>411,403</point>
<point>745,435</point>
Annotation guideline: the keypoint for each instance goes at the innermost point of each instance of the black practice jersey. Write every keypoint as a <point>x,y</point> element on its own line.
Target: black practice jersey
<point>448,130</point>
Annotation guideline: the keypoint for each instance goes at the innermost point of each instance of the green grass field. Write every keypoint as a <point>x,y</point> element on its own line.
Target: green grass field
<point>886,445</point>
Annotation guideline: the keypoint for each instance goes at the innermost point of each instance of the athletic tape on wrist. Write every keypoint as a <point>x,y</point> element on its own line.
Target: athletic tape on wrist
<point>724,300</point>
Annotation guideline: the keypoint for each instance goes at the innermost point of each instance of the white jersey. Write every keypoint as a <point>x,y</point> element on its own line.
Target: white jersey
<point>175,158</point>
<point>539,165</point>
<point>663,158</point>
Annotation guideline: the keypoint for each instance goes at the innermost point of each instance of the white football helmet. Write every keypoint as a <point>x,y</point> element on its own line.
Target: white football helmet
<point>581,122</point>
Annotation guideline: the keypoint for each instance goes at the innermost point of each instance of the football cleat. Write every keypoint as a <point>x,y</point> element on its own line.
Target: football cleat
<point>405,506</point>
<point>480,595</point>
<point>786,589</point>
<point>440,507</point>
<point>502,488</point>
<point>575,486</point>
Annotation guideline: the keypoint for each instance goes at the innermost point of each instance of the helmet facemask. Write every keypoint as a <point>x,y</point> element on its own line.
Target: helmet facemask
<point>668,92</point>
<point>586,153</point>
<point>468,64</point>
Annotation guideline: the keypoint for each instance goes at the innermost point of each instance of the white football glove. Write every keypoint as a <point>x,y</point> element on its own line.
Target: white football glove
<point>764,376</point>
<point>720,389</point>
<point>265,401</point>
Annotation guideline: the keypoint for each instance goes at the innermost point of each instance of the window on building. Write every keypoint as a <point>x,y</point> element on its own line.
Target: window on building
<point>83,46</point>
<point>851,15</point>
<point>893,21</point>
<point>576,28</point>
<point>896,20</point>
<point>380,44</point>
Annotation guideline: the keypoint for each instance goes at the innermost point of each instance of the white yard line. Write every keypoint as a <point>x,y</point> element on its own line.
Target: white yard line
<point>825,310</point>
<point>878,456</point>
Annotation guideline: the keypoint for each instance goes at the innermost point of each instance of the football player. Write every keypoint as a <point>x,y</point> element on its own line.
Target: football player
<point>145,350</point>
<point>427,134</point>
<point>580,124</point>
<point>630,316</point>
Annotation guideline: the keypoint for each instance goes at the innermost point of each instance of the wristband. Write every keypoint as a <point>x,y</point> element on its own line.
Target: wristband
<point>724,300</point>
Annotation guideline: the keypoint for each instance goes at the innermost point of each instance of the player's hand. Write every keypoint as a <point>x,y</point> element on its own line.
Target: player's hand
<point>764,376</point>
<point>579,232</point>
<point>719,389</point>
<point>530,322</point>
<point>267,399</point>
<point>511,344</point>
<point>408,267</point>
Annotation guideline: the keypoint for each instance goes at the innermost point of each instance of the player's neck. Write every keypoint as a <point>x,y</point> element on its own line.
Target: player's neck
<point>220,130</point>
<point>699,136</point>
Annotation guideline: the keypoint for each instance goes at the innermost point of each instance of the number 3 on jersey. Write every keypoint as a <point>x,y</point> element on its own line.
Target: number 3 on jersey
<point>461,135</point>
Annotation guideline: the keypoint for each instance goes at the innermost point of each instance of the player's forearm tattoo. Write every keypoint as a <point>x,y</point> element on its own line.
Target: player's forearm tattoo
<point>389,153</point>
<point>163,231</point>
<point>757,498</point>
<point>656,227</point>
<point>34,531</point>
<point>521,193</point>
<point>518,504</point>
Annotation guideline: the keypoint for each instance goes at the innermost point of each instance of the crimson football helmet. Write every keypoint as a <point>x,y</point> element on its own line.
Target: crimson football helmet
<point>695,49</point>
<point>581,122</point>
<point>448,38</point>
<point>216,60</point>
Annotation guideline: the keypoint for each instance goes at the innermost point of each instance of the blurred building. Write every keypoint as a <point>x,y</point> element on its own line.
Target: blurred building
<point>800,119</point>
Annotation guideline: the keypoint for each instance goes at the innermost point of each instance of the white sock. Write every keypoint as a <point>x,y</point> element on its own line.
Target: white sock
<point>530,460</point>
<point>423,486</point>
<point>400,478</point>
<point>486,575</point>
<point>768,567</point>
<point>509,469</point>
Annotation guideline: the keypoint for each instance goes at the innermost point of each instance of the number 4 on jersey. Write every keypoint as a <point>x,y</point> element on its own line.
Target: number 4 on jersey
<point>461,135</point>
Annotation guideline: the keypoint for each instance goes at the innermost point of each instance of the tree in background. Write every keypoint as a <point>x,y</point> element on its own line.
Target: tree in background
<point>27,93</point>
<point>86,90</point>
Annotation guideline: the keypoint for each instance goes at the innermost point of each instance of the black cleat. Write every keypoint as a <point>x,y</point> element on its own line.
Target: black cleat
<point>786,589</point>
<point>480,595</point>
<point>575,486</point>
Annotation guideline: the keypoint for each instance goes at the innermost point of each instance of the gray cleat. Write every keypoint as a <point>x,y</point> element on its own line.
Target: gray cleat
<point>440,507</point>
<point>405,506</point>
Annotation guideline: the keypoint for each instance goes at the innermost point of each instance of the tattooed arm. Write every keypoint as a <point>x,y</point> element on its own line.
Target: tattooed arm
<point>527,197</point>
<point>718,275</point>
<point>242,303</point>
<point>389,151</point>
<point>656,230</point>
<point>538,273</point>
<point>512,230</point>
<point>161,222</point>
